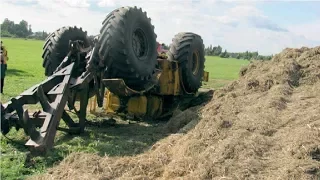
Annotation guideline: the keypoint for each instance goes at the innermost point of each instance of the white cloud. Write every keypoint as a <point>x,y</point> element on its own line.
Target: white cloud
<point>245,11</point>
<point>76,3</point>
<point>106,3</point>
<point>50,15</point>
<point>235,25</point>
<point>309,30</point>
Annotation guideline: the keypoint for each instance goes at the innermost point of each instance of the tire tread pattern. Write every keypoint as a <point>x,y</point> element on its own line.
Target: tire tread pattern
<point>181,49</point>
<point>113,43</point>
<point>55,47</point>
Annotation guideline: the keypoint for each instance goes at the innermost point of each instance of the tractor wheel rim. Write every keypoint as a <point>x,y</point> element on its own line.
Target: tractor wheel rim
<point>139,43</point>
<point>195,62</point>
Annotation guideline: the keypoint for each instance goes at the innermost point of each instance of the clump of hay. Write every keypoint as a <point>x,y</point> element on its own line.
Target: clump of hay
<point>265,125</point>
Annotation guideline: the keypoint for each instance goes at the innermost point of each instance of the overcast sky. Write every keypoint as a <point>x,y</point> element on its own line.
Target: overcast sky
<point>264,26</point>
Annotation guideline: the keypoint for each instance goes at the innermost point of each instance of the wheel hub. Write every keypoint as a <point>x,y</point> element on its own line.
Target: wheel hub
<point>139,43</point>
<point>195,62</point>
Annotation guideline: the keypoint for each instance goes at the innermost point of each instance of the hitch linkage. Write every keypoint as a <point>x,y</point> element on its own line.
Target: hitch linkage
<point>70,82</point>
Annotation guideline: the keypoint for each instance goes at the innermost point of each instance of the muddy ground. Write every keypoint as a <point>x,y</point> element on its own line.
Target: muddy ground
<point>265,125</point>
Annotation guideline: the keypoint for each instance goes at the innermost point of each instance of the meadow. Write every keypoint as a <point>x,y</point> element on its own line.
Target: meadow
<point>25,70</point>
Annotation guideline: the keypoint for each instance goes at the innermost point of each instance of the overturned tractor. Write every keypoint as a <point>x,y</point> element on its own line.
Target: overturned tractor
<point>121,67</point>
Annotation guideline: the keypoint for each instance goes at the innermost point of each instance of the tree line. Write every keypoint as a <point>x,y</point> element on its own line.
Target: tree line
<point>21,30</point>
<point>217,51</point>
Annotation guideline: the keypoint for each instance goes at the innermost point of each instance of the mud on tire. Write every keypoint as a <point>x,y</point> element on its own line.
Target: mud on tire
<point>188,49</point>
<point>56,46</point>
<point>128,46</point>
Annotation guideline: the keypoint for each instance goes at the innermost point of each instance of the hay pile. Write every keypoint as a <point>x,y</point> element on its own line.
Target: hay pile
<point>266,125</point>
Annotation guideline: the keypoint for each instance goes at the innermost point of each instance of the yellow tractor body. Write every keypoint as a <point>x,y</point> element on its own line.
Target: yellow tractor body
<point>131,103</point>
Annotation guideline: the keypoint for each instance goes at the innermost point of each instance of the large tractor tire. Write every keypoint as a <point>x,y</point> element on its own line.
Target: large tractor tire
<point>188,49</point>
<point>128,46</point>
<point>56,46</point>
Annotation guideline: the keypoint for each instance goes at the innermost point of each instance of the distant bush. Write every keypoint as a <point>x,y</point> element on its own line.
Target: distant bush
<point>7,34</point>
<point>21,30</point>
<point>217,51</point>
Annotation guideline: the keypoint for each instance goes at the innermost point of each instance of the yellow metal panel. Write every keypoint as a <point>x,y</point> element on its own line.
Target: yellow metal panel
<point>169,79</point>
<point>154,106</point>
<point>165,77</point>
<point>112,102</point>
<point>176,79</point>
<point>205,76</point>
<point>137,105</point>
<point>106,100</point>
<point>93,104</point>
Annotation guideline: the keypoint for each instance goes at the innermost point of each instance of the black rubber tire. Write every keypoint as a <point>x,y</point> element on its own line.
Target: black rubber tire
<point>117,48</point>
<point>182,49</point>
<point>56,46</point>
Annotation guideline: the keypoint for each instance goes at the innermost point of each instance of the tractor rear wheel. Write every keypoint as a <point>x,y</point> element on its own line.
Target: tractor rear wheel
<point>128,46</point>
<point>56,47</point>
<point>188,49</point>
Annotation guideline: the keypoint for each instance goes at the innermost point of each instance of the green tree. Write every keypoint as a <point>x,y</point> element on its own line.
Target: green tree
<point>246,55</point>
<point>22,30</point>
<point>217,50</point>
<point>224,54</point>
<point>255,54</point>
<point>30,30</point>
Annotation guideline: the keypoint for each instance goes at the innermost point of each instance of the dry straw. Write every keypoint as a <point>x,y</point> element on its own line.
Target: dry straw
<point>265,125</point>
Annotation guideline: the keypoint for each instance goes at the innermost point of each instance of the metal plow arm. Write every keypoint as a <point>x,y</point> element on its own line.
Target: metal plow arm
<point>52,95</point>
<point>60,89</point>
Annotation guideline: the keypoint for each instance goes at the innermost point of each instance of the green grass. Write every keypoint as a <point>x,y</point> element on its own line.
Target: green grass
<point>222,70</point>
<point>24,66</point>
<point>25,70</point>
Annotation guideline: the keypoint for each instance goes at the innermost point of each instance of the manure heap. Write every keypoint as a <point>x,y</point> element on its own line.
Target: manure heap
<point>265,125</point>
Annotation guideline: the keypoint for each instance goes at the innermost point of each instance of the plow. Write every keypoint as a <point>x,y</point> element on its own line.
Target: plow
<point>119,70</point>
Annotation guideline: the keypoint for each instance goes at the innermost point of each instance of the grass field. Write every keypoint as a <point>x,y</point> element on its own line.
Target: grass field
<point>222,70</point>
<point>25,70</point>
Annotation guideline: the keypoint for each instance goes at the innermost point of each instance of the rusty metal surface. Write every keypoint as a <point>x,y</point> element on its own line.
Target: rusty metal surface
<point>119,87</point>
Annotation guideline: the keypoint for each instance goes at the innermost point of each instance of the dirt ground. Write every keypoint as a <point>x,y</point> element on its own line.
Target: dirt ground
<point>265,125</point>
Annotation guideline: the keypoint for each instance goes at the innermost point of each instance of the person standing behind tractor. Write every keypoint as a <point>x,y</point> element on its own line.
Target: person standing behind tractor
<point>4,52</point>
<point>159,47</point>
<point>4,59</point>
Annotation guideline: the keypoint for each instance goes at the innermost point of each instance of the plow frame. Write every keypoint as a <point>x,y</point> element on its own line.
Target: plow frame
<point>71,82</point>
